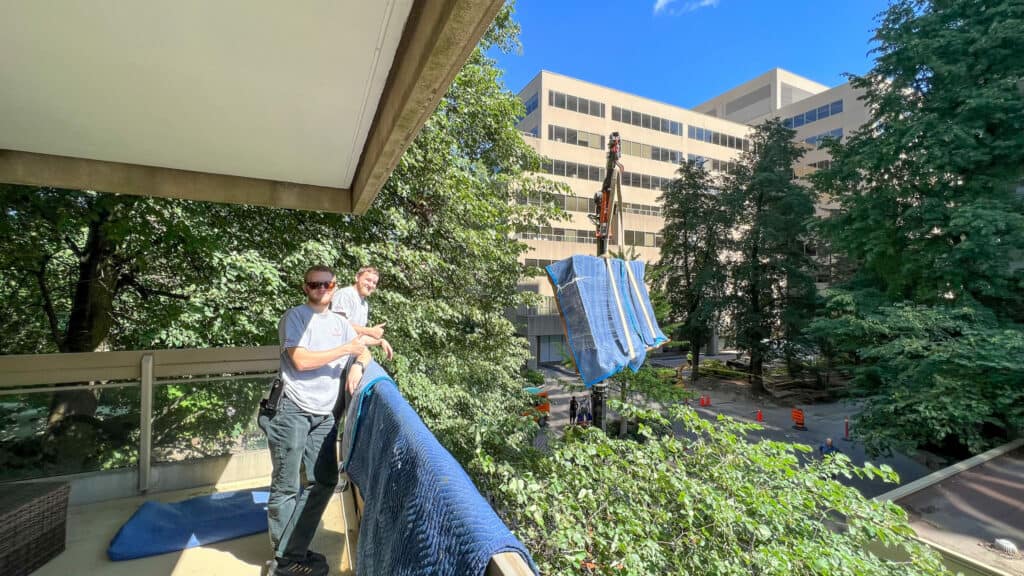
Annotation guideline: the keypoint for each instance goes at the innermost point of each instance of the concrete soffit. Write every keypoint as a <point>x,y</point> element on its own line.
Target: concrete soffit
<point>437,38</point>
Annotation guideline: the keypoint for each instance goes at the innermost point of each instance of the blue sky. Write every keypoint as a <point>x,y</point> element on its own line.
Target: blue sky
<point>687,51</point>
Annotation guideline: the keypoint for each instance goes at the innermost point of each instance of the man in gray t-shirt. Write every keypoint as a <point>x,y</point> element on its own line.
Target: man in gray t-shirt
<point>351,303</point>
<point>315,346</point>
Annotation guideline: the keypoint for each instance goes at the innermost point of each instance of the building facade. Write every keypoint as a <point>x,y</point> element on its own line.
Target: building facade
<point>568,121</point>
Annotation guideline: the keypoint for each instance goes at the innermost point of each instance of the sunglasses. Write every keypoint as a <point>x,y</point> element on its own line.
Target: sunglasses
<point>326,285</point>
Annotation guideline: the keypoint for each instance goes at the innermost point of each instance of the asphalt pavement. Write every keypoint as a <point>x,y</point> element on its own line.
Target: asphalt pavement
<point>822,420</point>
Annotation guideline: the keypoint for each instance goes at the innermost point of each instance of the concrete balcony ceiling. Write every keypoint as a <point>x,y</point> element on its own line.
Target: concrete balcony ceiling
<point>305,105</point>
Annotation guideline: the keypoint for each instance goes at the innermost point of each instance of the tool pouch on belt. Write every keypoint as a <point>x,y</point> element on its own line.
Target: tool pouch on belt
<point>268,405</point>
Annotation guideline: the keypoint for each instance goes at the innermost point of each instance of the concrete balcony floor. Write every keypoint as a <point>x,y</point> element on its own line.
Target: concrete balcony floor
<point>91,527</point>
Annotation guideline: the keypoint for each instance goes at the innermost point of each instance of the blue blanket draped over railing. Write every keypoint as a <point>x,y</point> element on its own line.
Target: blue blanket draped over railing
<point>422,514</point>
<point>594,327</point>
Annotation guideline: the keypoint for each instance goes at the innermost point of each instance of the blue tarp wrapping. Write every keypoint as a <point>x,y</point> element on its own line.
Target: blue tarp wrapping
<point>594,327</point>
<point>422,514</point>
<point>157,527</point>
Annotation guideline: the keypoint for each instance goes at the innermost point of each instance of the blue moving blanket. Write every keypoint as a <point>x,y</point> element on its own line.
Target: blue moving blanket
<point>594,328</point>
<point>422,513</point>
<point>157,528</point>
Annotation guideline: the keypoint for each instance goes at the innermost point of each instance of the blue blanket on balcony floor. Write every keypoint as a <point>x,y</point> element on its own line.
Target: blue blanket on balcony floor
<point>158,527</point>
<point>422,513</point>
<point>594,327</point>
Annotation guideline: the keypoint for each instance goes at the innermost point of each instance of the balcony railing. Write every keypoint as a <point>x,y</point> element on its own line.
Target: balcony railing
<point>124,387</point>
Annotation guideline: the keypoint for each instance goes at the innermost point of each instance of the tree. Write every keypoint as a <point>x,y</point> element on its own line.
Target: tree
<point>929,210</point>
<point>930,217</point>
<point>692,270</point>
<point>705,501</point>
<point>772,274</point>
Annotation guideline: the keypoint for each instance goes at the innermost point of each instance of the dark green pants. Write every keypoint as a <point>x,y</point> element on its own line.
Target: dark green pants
<point>297,438</point>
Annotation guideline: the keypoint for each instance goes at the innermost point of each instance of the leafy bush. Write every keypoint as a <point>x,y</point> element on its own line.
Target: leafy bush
<point>534,377</point>
<point>705,503</point>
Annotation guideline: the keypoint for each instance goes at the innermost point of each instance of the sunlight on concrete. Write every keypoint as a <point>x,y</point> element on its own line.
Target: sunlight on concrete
<point>91,528</point>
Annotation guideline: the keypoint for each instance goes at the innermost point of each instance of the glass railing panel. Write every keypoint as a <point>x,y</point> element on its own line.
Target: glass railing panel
<point>206,417</point>
<point>46,434</point>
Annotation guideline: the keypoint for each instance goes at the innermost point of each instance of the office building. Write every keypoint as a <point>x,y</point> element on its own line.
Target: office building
<point>568,121</point>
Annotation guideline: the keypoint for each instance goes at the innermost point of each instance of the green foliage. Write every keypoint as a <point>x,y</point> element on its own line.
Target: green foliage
<point>927,192</point>
<point>692,274</point>
<point>930,325</point>
<point>773,277</point>
<point>950,378</point>
<point>705,503</point>
<point>534,377</point>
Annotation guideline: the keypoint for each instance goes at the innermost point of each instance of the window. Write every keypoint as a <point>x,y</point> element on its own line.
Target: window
<point>576,137</point>
<point>575,104</point>
<point>836,107</point>
<point>646,121</point>
<point>531,104</point>
<point>798,120</point>
<point>810,116</point>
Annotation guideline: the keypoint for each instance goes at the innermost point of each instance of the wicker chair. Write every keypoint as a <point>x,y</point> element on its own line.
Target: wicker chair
<point>32,525</point>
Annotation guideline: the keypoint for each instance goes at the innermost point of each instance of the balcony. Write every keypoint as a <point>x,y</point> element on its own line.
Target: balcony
<point>152,452</point>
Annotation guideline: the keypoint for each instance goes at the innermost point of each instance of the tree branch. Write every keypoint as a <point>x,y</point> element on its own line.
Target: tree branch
<point>51,313</point>
<point>146,292</point>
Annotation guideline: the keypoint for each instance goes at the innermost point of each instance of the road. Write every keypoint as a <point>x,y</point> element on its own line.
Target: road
<point>823,420</point>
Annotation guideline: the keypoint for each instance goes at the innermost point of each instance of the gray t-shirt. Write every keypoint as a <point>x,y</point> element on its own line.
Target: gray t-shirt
<point>314,391</point>
<point>349,304</point>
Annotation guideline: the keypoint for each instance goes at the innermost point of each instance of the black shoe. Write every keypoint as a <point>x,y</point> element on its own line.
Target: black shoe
<point>304,568</point>
<point>315,557</point>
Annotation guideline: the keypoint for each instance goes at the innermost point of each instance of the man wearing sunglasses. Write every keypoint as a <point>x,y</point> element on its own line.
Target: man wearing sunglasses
<point>301,432</point>
<point>351,303</point>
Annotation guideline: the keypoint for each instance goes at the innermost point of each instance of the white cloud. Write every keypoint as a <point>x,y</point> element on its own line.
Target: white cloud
<point>689,6</point>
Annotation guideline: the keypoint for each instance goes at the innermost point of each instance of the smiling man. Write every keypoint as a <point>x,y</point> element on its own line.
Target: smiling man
<point>301,430</point>
<point>351,303</point>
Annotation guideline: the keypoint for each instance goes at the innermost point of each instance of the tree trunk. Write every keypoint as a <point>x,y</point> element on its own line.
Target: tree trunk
<point>695,344</point>
<point>90,319</point>
<point>623,424</point>
<point>756,371</point>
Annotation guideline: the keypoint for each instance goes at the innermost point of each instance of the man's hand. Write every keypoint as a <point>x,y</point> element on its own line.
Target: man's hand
<point>386,347</point>
<point>355,372</point>
<point>377,332</point>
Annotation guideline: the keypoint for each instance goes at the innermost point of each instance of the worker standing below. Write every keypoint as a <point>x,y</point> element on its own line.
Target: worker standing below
<point>827,449</point>
<point>351,303</point>
<point>574,406</point>
<point>300,425</point>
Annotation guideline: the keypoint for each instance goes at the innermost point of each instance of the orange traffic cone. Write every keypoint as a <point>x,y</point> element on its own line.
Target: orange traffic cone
<point>798,419</point>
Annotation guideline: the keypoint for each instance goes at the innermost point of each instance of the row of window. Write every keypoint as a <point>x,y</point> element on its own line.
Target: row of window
<point>631,237</point>
<point>642,209</point>
<point>579,204</point>
<point>814,140</point>
<point>577,137</point>
<point>539,262</point>
<point>576,104</point>
<point>713,164</point>
<point>814,114</point>
<point>532,102</point>
<point>641,238</point>
<point>652,152</point>
<point>647,121</point>
<point>638,180</point>
<point>558,235</point>
<point>573,170</point>
<point>718,138</point>
<point>822,165</point>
